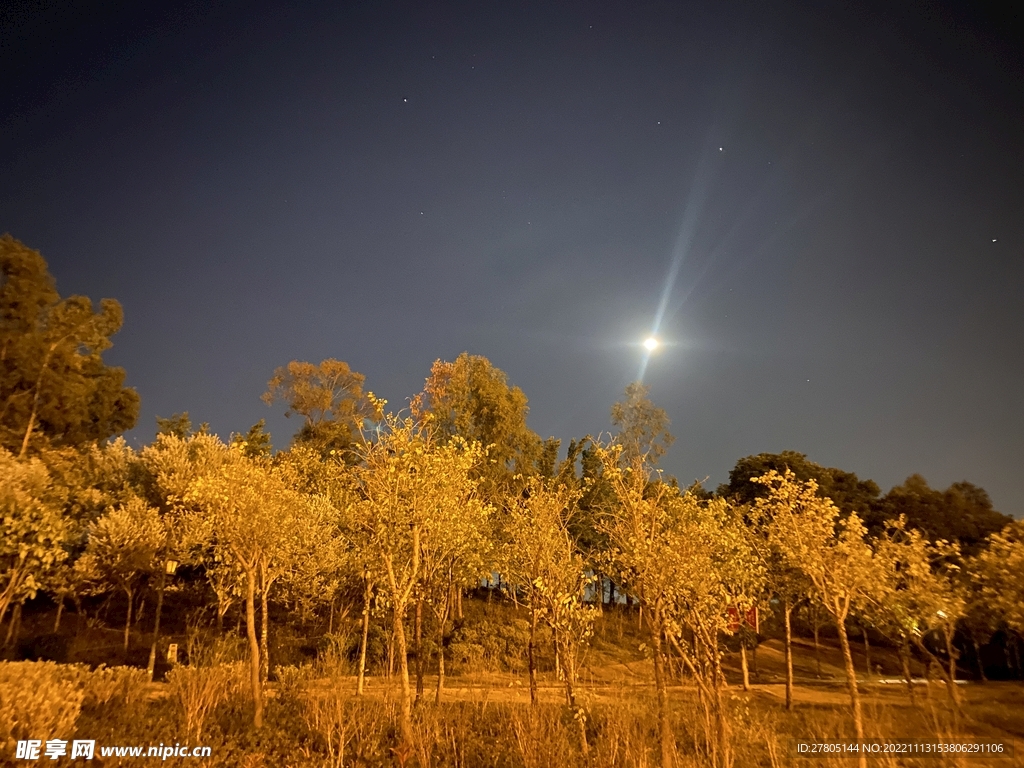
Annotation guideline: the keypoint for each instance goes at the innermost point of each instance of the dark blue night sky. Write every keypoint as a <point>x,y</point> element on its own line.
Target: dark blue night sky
<point>828,196</point>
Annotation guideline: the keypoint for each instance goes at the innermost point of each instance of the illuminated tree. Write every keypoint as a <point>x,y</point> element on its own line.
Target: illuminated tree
<point>411,486</point>
<point>923,592</point>
<point>687,560</point>
<point>643,427</point>
<point>123,550</point>
<point>455,552</point>
<point>831,553</point>
<point>847,491</point>
<point>786,582</point>
<point>55,389</point>
<point>33,530</point>
<point>248,516</point>
<point>540,561</point>
<point>472,399</point>
<point>329,397</point>
<point>997,570</point>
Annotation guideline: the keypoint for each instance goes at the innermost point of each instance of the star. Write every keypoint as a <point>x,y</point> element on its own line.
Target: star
<point>650,343</point>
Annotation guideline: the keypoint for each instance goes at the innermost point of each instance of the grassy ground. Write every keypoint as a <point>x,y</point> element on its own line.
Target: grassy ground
<point>486,720</point>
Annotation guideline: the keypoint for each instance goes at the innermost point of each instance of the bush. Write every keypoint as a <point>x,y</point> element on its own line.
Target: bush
<point>490,645</point>
<point>38,701</point>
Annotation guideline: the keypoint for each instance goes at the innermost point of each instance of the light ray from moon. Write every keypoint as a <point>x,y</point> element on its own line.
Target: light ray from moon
<point>694,206</point>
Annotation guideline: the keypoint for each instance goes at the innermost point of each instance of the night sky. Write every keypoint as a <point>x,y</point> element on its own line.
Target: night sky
<point>821,202</point>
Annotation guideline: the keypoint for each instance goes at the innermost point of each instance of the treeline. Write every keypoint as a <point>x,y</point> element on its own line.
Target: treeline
<point>398,514</point>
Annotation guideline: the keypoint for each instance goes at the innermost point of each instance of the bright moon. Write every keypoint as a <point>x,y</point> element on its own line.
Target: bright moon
<point>651,344</point>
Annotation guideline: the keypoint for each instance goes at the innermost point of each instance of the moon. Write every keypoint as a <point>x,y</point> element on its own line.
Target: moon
<point>651,343</point>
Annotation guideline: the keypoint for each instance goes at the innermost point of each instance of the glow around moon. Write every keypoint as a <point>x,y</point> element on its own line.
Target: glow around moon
<point>651,343</point>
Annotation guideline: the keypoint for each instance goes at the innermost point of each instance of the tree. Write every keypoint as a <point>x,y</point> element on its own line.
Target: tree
<point>472,399</point>
<point>329,397</point>
<point>123,550</point>
<point>783,580</point>
<point>962,513</point>
<point>255,442</point>
<point>178,425</point>
<point>687,560</point>
<point>922,592</point>
<point>54,387</point>
<point>411,485</point>
<point>641,537</point>
<point>997,569</point>
<point>33,531</point>
<point>643,427</point>
<point>541,561</point>
<point>248,515</point>
<point>831,552</point>
<point>847,491</point>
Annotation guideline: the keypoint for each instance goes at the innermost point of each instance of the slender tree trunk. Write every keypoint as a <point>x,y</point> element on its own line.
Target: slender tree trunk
<point>60,612</point>
<point>954,694</point>
<point>743,665</point>
<point>867,649</point>
<point>786,611</point>
<point>665,737</point>
<point>441,624</point>
<point>31,426</point>
<point>401,651</point>
<point>977,657</point>
<point>15,581</point>
<point>418,650</point>
<point>35,401</point>
<point>264,634</point>
<point>569,665</point>
<point>721,723</point>
<point>458,604</point>
<point>254,648</point>
<point>360,683</point>
<point>817,645</point>
<point>532,647</point>
<point>13,627</point>
<point>330,618</point>
<point>907,675</point>
<point>440,666</point>
<point>1016,653</point>
<point>128,619</point>
<point>851,683</point>
<point>151,665</point>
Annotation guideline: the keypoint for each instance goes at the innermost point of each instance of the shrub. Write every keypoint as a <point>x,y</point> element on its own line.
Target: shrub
<point>37,701</point>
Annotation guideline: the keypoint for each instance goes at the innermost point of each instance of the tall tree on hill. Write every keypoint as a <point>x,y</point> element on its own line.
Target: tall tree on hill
<point>330,398</point>
<point>54,387</point>
<point>847,491</point>
<point>643,427</point>
<point>962,513</point>
<point>472,399</point>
